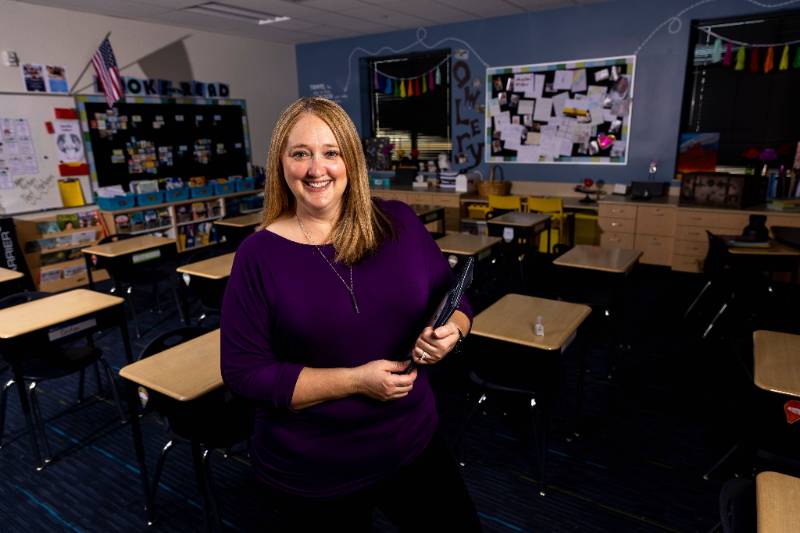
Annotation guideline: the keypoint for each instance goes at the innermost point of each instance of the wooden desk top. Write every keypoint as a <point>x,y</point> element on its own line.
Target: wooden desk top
<point>183,372</point>
<point>525,220</point>
<point>127,246</point>
<point>776,503</point>
<point>214,268</point>
<point>512,319</point>
<point>8,274</point>
<point>465,244</point>
<point>422,210</point>
<point>774,248</point>
<point>52,310</point>
<point>250,219</point>
<point>776,362</point>
<point>616,260</point>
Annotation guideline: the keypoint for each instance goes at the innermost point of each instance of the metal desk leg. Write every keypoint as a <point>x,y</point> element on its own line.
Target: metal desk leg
<point>210,517</point>
<point>26,410</point>
<point>88,260</point>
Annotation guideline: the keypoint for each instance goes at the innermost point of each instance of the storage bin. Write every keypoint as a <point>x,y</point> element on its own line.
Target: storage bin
<point>173,195</point>
<point>201,192</point>
<point>117,202</point>
<point>150,198</point>
<point>245,184</point>
<point>224,188</point>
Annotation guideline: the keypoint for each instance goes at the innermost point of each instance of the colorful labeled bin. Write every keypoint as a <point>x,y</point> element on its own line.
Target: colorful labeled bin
<point>150,198</point>
<point>117,202</point>
<point>201,192</point>
<point>224,188</point>
<point>173,195</point>
<point>245,184</point>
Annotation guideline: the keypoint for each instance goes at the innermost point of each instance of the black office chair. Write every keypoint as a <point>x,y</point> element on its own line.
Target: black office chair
<point>124,279</point>
<point>519,382</point>
<point>218,420</point>
<point>46,361</point>
<point>207,292</point>
<point>718,284</point>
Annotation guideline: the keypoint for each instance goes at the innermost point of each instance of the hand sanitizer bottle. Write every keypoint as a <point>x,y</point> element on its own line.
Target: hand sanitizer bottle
<point>538,329</point>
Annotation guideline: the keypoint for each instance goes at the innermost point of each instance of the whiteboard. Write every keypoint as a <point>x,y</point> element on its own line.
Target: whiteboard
<point>573,112</point>
<point>36,192</point>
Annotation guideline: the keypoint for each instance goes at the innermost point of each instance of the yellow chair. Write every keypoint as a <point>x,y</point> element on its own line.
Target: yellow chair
<point>554,207</point>
<point>504,203</point>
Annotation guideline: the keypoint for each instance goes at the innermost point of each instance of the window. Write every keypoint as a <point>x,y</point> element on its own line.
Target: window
<point>748,112</point>
<point>419,121</point>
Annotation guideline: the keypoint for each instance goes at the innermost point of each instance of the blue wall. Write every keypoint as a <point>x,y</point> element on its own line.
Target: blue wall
<point>608,29</point>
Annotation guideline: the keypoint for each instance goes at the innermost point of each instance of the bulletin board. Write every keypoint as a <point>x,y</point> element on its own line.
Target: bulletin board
<point>575,112</point>
<point>152,137</point>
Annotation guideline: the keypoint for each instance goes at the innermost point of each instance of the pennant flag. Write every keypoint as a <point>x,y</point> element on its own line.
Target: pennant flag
<point>796,62</point>
<point>784,64</point>
<point>754,60</point>
<point>716,52</point>
<point>397,85</point>
<point>416,87</point>
<point>402,89</point>
<point>430,77</point>
<point>769,63</point>
<point>410,91</point>
<point>728,59</point>
<point>739,59</point>
<point>438,77</point>
<point>388,86</point>
<point>105,65</point>
<point>424,84</point>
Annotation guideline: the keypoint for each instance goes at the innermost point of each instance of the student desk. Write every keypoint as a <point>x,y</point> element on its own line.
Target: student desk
<point>776,362</point>
<point>429,214</point>
<point>64,315</point>
<point>182,373</point>
<point>467,245</point>
<point>127,253</point>
<point>9,281</point>
<point>236,229</point>
<point>520,228</point>
<point>207,279</point>
<point>776,503</point>
<point>511,320</point>
<point>459,246</point>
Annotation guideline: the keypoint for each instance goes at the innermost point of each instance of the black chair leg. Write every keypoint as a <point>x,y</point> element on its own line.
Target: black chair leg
<point>3,401</point>
<point>98,380</point>
<point>538,432</point>
<point>212,499</point>
<point>132,303</point>
<point>199,472</point>
<point>38,421</point>
<point>114,391</point>
<point>697,299</point>
<point>469,413</point>
<point>81,382</point>
<point>159,467</point>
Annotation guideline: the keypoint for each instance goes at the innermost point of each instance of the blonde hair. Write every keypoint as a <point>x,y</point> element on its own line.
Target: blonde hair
<point>361,225</point>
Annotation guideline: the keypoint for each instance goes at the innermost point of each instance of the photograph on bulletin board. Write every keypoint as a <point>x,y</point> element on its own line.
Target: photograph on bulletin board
<point>574,112</point>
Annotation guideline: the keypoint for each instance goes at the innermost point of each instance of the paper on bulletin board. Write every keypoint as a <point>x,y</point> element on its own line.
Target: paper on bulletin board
<point>565,119</point>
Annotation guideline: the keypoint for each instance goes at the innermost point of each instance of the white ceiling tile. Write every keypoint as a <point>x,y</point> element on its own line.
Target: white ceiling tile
<point>484,8</point>
<point>387,17</point>
<point>439,13</point>
<point>170,4</point>
<point>332,5</point>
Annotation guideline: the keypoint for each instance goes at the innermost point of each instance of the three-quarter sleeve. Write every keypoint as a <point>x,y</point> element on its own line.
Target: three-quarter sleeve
<point>247,361</point>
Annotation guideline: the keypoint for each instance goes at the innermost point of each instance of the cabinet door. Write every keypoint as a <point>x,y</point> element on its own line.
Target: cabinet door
<point>611,239</point>
<point>617,225</point>
<point>691,248</point>
<point>616,211</point>
<point>655,220</point>
<point>655,250</point>
<point>793,221</point>
<point>685,263</point>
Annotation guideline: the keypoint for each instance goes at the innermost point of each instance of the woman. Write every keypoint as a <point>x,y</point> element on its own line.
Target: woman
<point>321,311</point>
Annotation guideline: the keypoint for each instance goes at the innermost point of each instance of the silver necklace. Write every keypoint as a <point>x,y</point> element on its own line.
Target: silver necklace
<point>350,288</point>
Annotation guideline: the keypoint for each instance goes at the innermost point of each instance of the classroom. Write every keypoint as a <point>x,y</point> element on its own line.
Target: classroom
<point>383,265</point>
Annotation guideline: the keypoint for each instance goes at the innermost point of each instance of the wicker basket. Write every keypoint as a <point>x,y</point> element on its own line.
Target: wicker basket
<point>501,188</point>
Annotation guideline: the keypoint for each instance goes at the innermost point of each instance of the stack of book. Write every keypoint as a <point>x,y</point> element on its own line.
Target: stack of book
<point>447,180</point>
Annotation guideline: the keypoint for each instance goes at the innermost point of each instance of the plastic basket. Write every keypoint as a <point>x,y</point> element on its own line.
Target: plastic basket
<point>224,188</point>
<point>201,192</point>
<point>117,202</point>
<point>245,184</point>
<point>150,198</point>
<point>173,195</point>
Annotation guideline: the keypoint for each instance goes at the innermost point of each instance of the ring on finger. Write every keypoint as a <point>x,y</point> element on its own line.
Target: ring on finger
<point>423,355</point>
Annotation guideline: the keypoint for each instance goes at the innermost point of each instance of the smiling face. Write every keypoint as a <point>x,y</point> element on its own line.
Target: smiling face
<point>314,169</point>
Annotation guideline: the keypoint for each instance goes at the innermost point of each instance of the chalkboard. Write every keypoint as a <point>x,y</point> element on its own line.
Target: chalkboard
<point>575,112</point>
<point>150,138</point>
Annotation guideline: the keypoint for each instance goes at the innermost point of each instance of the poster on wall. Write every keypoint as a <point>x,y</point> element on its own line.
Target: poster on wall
<point>574,112</point>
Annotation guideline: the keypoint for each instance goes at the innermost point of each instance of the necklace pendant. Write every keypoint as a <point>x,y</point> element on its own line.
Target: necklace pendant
<point>355,303</point>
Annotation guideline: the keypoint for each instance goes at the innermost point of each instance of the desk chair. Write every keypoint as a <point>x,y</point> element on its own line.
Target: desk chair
<point>206,291</point>
<point>125,279</point>
<point>47,361</point>
<point>718,274</point>
<point>503,204</point>
<point>555,207</point>
<point>217,420</point>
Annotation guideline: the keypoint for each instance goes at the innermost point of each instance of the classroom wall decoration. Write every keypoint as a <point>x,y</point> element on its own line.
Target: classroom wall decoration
<point>153,137</point>
<point>576,112</point>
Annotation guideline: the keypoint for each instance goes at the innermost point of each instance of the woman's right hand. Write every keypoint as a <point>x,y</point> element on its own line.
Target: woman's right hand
<point>383,381</point>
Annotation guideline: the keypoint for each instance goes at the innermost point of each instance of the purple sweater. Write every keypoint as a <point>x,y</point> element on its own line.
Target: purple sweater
<point>285,309</point>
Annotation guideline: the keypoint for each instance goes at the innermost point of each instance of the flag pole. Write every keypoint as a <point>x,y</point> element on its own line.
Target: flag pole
<point>71,89</point>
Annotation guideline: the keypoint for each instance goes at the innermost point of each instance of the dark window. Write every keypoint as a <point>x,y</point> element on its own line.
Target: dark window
<point>419,122</point>
<point>752,112</point>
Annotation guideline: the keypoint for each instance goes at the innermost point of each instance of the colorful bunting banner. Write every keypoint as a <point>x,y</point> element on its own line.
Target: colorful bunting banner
<point>408,86</point>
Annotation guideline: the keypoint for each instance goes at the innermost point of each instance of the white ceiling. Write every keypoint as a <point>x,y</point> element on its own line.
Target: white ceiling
<point>312,20</point>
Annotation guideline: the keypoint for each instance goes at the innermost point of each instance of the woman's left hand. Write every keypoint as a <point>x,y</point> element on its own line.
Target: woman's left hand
<point>433,345</point>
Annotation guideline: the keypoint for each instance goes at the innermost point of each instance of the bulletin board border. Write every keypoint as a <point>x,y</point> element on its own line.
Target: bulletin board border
<point>82,100</point>
<point>551,67</point>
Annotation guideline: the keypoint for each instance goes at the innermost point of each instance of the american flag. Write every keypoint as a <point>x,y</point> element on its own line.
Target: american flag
<point>105,65</point>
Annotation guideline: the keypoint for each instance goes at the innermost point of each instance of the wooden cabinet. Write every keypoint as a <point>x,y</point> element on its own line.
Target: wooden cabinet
<point>451,201</point>
<point>617,225</point>
<point>52,243</point>
<point>655,228</point>
<point>691,234</point>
